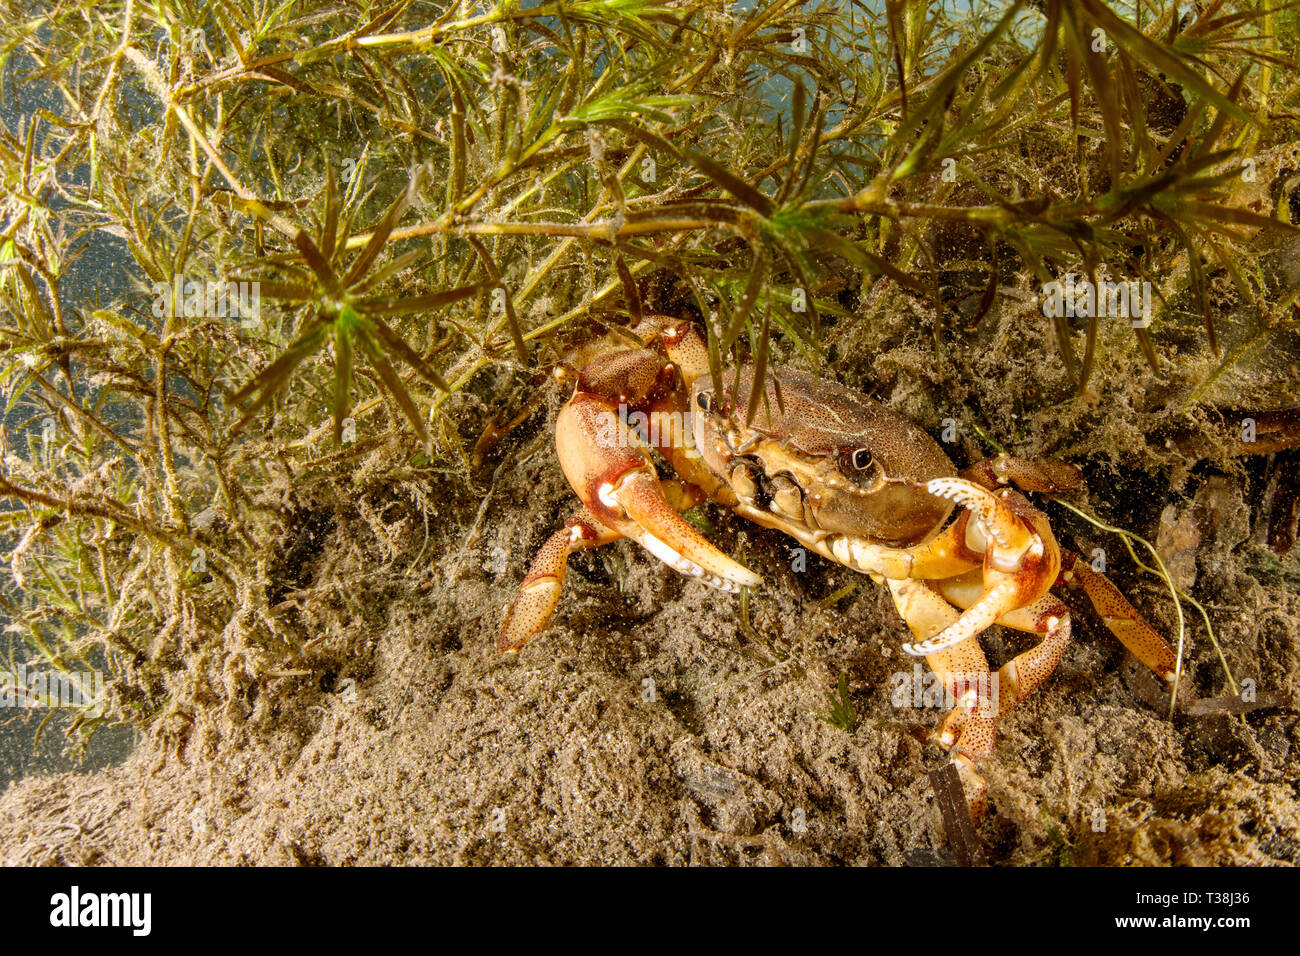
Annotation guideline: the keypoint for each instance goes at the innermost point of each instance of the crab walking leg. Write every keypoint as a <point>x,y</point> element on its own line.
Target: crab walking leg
<point>540,591</point>
<point>539,594</point>
<point>1047,477</point>
<point>687,350</point>
<point>1120,616</point>
<point>1018,564</point>
<point>1019,677</point>
<point>968,731</point>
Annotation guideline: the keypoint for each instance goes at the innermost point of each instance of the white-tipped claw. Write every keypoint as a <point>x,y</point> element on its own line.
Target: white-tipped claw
<point>1000,521</point>
<point>657,527</point>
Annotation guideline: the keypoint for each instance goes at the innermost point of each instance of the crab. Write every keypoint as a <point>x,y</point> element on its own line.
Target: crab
<point>847,478</point>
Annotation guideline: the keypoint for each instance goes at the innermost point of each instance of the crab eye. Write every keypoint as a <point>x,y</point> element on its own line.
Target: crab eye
<point>705,401</point>
<point>862,459</point>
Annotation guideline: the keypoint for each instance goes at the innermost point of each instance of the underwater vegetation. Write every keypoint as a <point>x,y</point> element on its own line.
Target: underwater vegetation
<point>252,250</point>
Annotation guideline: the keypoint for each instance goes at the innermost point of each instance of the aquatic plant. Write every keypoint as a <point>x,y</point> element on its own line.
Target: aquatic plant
<point>423,195</point>
<point>840,711</point>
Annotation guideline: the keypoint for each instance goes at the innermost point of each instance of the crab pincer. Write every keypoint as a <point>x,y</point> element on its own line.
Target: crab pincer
<point>609,466</point>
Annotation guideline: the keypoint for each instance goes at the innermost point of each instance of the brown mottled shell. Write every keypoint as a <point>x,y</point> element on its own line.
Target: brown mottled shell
<point>822,417</point>
<point>821,422</point>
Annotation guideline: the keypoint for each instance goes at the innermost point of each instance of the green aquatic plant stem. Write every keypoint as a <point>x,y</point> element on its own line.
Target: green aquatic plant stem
<point>1178,594</point>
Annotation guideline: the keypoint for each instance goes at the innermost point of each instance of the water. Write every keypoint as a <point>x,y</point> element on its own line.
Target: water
<point>32,740</point>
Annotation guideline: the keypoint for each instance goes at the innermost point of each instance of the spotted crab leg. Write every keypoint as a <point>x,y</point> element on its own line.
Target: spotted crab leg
<point>968,732</point>
<point>1047,477</point>
<point>1049,618</point>
<point>540,592</point>
<point>1019,567</point>
<point>1120,616</point>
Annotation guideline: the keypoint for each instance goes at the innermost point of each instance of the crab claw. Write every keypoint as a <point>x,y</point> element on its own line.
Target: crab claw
<point>1021,559</point>
<point>609,467</point>
<point>659,529</point>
